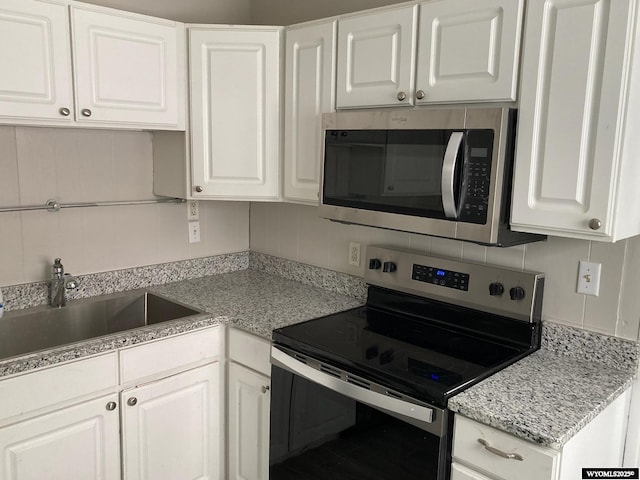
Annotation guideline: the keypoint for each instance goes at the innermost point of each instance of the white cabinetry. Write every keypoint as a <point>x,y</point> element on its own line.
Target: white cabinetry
<point>576,169</point>
<point>80,442</point>
<point>36,61</point>
<point>171,427</point>
<point>309,92</point>
<point>467,51</point>
<point>62,423</point>
<point>376,58</point>
<point>248,406</point>
<point>473,460</point>
<point>235,112</point>
<point>128,69</point>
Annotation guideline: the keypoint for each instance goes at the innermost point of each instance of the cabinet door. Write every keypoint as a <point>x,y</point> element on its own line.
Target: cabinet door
<point>77,443</point>
<point>572,74</point>
<point>248,424</point>
<point>171,428</point>
<point>235,112</point>
<point>376,58</point>
<point>468,50</point>
<point>36,62</point>
<point>309,92</point>
<point>126,68</point>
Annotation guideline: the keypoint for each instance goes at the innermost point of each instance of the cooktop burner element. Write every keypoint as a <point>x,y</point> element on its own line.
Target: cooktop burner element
<point>431,326</point>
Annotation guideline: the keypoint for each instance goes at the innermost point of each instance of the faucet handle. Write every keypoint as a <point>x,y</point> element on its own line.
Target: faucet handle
<point>57,266</point>
<point>70,282</point>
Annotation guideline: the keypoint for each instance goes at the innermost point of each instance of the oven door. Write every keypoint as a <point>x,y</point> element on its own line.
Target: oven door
<point>326,423</point>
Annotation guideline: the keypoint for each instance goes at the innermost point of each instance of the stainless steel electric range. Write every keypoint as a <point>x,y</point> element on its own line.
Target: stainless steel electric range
<point>362,394</point>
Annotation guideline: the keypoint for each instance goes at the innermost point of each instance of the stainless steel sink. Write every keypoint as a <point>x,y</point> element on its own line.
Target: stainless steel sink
<point>30,330</point>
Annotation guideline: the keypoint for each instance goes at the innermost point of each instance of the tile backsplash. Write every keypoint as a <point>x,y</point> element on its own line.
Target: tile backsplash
<point>82,165</point>
<point>296,232</point>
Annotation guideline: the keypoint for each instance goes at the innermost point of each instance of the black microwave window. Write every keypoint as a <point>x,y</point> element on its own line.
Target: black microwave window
<point>396,171</point>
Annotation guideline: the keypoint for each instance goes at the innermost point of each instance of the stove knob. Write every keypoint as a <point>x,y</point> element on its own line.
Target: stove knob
<point>374,264</point>
<point>496,288</point>
<point>389,267</point>
<point>516,293</point>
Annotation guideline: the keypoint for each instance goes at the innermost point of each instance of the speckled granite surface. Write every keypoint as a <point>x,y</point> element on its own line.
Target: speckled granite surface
<point>256,301</point>
<point>34,294</point>
<point>552,394</point>
<point>252,300</point>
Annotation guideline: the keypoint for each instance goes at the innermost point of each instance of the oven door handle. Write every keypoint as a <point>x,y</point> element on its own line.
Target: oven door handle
<point>394,406</point>
<point>449,174</point>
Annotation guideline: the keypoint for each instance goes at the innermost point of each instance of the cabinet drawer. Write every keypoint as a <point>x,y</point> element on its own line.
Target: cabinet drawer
<point>460,472</point>
<point>537,463</point>
<point>250,350</point>
<point>50,386</point>
<point>168,354</point>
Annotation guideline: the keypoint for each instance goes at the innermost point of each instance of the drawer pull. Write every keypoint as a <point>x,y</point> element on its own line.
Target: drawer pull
<point>500,453</point>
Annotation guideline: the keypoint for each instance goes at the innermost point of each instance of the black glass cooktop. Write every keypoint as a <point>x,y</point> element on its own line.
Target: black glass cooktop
<point>417,356</point>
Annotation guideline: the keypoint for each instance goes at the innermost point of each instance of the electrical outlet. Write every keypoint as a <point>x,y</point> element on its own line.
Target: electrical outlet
<point>354,254</point>
<point>192,210</point>
<point>194,232</point>
<point>589,278</point>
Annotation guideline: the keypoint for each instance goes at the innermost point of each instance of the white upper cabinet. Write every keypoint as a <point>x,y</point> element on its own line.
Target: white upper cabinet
<point>126,68</point>
<point>468,50</point>
<point>309,92</point>
<point>35,61</point>
<point>376,58</point>
<point>235,112</point>
<point>576,169</point>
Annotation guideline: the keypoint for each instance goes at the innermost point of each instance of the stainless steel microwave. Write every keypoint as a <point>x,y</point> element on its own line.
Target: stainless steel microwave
<point>434,171</point>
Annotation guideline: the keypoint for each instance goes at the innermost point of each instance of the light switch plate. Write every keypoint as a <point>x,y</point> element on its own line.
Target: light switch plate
<point>589,278</point>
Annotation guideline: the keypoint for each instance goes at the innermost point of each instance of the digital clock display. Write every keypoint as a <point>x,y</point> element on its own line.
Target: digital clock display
<point>440,273</point>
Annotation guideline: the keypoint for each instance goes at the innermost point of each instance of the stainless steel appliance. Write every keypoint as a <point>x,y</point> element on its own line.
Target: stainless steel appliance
<point>442,172</point>
<point>363,393</point>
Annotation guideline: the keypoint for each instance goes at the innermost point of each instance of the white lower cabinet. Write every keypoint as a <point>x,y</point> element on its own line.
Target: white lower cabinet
<point>481,452</point>
<point>170,428</point>
<point>248,424</point>
<point>159,418</point>
<point>80,442</point>
<point>248,406</point>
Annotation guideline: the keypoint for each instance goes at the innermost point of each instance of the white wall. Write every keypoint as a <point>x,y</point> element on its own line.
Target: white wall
<point>188,11</point>
<point>76,165</point>
<point>297,233</point>
<point>289,12</point>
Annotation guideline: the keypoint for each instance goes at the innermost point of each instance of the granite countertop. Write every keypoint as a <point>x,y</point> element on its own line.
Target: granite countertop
<point>257,302</point>
<point>553,393</point>
<point>248,299</point>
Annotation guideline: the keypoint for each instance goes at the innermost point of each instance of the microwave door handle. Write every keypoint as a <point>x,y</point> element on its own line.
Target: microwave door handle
<point>449,174</point>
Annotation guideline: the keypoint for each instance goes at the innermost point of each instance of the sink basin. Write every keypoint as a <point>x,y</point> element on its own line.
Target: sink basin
<point>30,330</point>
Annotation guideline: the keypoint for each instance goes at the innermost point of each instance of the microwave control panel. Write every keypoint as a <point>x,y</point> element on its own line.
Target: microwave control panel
<point>476,177</point>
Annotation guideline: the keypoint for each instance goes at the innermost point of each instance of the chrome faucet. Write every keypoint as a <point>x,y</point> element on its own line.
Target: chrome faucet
<point>60,283</point>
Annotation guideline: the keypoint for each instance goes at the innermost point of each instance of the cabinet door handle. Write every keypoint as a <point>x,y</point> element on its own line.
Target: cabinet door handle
<point>199,189</point>
<point>132,401</point>
<point>595,224</point>
<point>402,96</point>
<point>111,406</point>
<point>265,388</point>
<point>64,111</point>
<point>500,453</point>
<point>420,94</point>
<point>85,112</point>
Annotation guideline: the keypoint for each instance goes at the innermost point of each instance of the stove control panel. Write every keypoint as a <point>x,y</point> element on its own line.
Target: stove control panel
<point>440,276</point>
<point>484,287</point>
